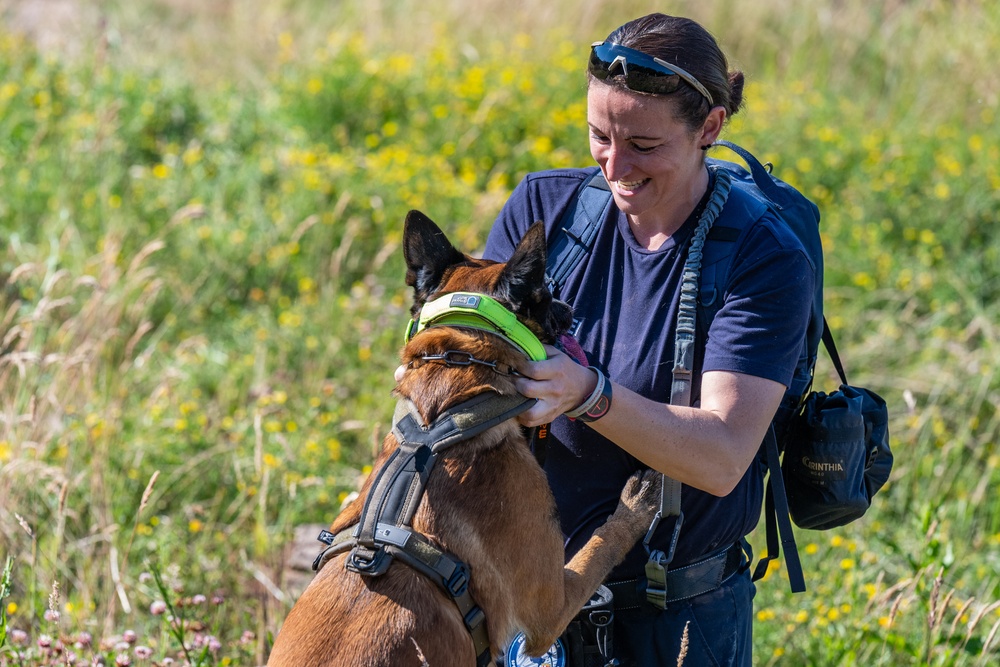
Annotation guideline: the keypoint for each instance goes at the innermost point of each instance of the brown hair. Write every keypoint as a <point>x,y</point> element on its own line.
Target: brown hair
<point>688,45</point>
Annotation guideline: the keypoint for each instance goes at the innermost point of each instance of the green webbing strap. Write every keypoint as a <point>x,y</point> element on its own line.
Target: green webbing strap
<point>477,311</point>
<point>680,392</point>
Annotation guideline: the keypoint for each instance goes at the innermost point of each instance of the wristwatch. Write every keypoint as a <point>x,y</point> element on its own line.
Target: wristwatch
<point>600,406</point>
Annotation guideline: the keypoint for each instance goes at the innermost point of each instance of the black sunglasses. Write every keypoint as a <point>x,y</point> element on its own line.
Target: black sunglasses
<point>643,73</point>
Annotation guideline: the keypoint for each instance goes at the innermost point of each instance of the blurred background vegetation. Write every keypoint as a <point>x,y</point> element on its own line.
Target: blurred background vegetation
<point>200,214</point>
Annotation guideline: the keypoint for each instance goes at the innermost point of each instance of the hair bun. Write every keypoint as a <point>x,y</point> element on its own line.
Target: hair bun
<point>736,81</point>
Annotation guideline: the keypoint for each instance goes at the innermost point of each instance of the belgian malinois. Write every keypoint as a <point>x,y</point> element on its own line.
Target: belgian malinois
<point>486,503</point>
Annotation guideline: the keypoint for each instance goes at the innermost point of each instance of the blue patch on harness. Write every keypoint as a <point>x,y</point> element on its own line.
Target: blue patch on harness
<point>514,655</point>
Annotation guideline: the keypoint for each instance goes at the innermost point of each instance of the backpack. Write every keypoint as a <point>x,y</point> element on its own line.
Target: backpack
<point>835,447</point>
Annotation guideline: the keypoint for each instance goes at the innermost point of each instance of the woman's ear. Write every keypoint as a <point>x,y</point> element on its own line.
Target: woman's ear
<point>712,127</point>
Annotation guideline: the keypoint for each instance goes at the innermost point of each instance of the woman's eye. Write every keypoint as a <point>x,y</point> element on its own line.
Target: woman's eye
<point>643,149</point>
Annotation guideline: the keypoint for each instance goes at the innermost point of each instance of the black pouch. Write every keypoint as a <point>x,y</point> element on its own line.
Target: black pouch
<point>588,637</point>
<point>836,457</point>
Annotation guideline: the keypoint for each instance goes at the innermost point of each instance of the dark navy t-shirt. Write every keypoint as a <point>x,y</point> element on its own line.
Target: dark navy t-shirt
<point>625,302</point>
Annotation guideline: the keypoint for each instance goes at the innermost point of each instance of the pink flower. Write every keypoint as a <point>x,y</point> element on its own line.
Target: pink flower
<point>158,608</point>
<point>122,660</point>
<point>143,652</point>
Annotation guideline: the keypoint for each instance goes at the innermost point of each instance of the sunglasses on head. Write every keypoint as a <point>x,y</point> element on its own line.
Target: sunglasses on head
<point>643,73</point>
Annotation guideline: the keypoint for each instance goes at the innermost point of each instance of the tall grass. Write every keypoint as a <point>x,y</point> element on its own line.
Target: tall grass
<point>201,277</point>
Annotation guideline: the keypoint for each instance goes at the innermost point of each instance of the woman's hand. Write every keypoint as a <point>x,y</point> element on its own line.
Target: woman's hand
<point>559,383</point>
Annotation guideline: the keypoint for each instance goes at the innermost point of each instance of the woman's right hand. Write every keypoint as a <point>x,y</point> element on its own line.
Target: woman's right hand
<point>559,383</point>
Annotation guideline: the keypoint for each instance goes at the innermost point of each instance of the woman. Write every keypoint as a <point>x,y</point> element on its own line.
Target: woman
<point>659,94</point>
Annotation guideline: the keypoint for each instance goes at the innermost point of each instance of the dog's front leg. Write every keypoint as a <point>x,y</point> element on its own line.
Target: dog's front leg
<point>639,501</point>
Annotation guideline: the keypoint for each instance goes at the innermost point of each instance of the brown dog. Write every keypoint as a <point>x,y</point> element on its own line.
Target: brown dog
<point>486,503</point>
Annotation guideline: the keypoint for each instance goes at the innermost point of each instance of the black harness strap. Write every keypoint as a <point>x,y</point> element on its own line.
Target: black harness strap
<point>384,531</point>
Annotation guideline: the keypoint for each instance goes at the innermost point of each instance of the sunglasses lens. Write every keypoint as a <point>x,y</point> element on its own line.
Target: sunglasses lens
<point>642,74</point>
<point>598,67</point>
<point>650,81</point>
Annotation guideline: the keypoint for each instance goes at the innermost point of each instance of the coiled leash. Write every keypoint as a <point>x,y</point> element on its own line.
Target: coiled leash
<point>680,392</point>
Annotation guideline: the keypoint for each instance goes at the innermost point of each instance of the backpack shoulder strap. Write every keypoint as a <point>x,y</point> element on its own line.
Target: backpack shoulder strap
<point>575,234</point>
<point>721,244</point>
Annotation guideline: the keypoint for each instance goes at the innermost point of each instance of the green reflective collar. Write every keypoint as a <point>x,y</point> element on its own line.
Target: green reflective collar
<point>477,311</point>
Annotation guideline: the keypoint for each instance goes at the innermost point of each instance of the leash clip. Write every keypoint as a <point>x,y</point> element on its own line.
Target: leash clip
<point>656,566</point>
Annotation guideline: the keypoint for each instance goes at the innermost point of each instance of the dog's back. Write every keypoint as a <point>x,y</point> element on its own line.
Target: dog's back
<point>401,619</point>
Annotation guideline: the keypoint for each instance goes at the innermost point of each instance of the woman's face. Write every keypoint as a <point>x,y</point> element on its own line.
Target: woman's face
<point>651,160</point>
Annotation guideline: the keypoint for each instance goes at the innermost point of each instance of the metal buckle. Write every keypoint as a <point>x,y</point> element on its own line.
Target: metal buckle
<point>370,566</point>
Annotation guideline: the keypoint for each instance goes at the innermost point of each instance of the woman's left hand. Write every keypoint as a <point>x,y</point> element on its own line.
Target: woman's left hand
<point>559,383</point>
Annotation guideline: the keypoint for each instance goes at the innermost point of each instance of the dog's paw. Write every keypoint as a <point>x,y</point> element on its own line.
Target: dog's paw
<point>641,496</point>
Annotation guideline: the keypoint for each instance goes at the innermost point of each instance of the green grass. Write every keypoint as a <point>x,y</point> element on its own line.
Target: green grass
<point>200,219</point>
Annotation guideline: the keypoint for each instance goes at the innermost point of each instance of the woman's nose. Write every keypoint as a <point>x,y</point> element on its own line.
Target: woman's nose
<point>616,163</point>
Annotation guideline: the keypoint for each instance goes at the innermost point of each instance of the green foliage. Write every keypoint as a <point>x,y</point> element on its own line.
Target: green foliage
<point>5,582</point>
<point>202,276</point>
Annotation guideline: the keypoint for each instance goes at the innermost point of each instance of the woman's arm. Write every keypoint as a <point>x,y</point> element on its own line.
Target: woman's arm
<point>709,447</point>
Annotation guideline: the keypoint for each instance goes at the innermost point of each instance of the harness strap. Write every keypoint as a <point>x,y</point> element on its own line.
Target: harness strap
<point>418,552</point>
<point>461,422</point>
<point>399,485</point>
<point>384,531</point>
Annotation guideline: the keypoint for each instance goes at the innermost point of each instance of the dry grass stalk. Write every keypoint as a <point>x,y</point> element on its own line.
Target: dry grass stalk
<point>979,615</point>
<point>684,646</point>
<point>147,493</point>
<point>959,615</point>
<point>933,618</point>
<point>989,640</point>
<point>420,654</point>
<point>24,525</point>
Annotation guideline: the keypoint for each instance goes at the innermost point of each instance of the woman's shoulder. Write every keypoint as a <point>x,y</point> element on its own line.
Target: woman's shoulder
<point>559,179</point>
<point>548,193</point>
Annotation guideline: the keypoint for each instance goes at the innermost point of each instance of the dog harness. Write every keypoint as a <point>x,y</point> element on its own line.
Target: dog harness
<point>385,530</point>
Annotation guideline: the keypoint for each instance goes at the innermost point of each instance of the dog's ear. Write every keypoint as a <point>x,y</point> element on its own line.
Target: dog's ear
<point>523,279</point>
<point>428,253</point>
